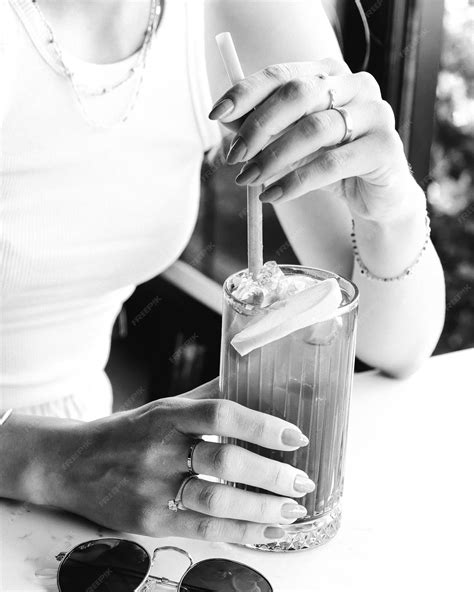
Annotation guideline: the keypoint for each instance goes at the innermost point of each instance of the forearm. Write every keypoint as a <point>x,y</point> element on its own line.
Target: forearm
<point>32,456</point>
<point>400,321</point>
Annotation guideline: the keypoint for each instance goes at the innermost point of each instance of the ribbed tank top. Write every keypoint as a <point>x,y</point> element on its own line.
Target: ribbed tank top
<point>89,213</point>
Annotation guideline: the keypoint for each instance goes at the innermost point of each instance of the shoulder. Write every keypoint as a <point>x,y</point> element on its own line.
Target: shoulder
<point>267,32</point>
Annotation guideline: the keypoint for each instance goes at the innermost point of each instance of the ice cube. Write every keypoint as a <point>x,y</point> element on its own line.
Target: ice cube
<point>249,291</point>
<point>323,333</point>
<point>270,279</point>
<point>298,283</point>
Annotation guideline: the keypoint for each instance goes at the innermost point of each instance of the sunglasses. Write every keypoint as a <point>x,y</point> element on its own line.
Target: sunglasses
<point>118,565</point>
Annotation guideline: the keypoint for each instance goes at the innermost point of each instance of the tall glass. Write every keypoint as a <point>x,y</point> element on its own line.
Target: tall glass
<point>306,379</point>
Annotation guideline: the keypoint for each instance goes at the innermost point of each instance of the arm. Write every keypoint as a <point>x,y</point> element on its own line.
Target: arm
<point>400,322</point>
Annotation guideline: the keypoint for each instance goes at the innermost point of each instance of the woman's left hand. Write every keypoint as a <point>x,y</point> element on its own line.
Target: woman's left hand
<point>290,139</point>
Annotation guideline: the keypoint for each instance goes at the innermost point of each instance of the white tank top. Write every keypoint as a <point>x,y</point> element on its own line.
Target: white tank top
<point>89,213</point>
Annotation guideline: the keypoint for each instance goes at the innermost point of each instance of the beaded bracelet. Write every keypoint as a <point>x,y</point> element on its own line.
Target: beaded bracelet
<point>366,273</point>
<point>5,416</point>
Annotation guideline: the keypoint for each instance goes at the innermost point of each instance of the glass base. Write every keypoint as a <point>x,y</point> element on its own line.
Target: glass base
<point>306,534</point>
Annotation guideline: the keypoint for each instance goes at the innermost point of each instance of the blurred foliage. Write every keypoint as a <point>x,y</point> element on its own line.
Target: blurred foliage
<point>451,181</point>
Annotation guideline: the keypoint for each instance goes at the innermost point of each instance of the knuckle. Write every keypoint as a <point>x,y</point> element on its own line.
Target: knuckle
<point>302,176</point>
<point>216,412</point>
<point>208,529</point>
<point>293,89</point>
<point>314,124</point>
<point>255,124</point>
<point>335,65</point>
<point>258,430</point>
<point>221,459</point>
<point>240,531</point>
<point>240,90</point>
<point>263,510</point>
<point>277,72</point>
<point>387,117</point>
<point>271,154</point>
<point>390,143</point>
<point>333,161</point>
<point>368,83</point>
<point>277,477</point>
<point>210,498</point>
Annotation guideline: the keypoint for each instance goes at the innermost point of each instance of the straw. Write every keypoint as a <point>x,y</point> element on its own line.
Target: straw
<point>254,205</point>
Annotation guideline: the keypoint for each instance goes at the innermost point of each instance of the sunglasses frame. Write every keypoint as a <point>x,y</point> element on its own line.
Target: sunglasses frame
<point>62,558</point>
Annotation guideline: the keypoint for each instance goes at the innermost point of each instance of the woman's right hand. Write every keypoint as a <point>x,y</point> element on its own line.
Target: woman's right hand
<point>122,470</point>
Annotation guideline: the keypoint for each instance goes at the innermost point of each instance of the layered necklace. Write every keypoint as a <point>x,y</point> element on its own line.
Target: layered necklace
<point>136,71</point>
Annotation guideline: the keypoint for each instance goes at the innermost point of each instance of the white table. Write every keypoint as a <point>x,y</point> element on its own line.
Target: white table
<point>408,519</point>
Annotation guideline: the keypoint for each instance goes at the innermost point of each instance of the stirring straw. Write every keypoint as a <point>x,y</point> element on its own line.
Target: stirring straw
<point>254,205</point>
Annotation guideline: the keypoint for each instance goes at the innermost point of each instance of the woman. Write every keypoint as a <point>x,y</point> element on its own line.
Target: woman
<point>103,131</point>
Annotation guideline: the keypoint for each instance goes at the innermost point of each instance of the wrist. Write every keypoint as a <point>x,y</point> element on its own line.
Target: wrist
<point>391,245</point>
<point>62,452</point>
<point>52,442</point>
<point>28,446</point>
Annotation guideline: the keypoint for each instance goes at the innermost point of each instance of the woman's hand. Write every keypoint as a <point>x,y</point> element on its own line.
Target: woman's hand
<point>122,470</point>
<point>285,131</point>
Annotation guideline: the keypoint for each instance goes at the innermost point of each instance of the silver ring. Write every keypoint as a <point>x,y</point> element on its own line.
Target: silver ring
<point>177,504</point>
<point>348,124</point>
<point>189,460</point>
<point>332,98</point>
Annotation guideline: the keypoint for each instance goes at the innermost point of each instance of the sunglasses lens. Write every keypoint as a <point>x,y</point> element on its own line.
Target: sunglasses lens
<point>104,565</point>
<point>222,575</point>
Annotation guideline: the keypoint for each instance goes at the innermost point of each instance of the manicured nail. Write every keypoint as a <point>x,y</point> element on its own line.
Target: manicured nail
<point>237,151</point>
<point>293,511</point>
<point>273,532</point>
<point>248,174</point>
<point>304,484</point>
<point>293,437</point>
<point>271,194</point>
<point>221,109</point>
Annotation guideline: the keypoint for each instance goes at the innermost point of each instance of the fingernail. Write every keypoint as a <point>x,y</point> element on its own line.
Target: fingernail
<point>273,532</point>
<point>271,194</point>
<point>248,174</point>
<point>303,484</point>
<point>221,109</point>
<point>237,151</point>
<point>293,511</point>
<point>293,437</point>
